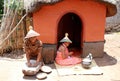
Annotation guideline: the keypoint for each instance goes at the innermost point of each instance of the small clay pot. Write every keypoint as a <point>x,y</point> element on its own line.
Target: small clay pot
<point>86,65</point>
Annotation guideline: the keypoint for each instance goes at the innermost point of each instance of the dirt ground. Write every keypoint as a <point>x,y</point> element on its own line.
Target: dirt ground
<point>10,67</point>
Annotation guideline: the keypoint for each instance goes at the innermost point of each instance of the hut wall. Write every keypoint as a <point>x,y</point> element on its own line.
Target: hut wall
<point>92,14</point>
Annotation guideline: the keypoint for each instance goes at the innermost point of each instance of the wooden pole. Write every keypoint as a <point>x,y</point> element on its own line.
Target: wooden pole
<point>24,24</point>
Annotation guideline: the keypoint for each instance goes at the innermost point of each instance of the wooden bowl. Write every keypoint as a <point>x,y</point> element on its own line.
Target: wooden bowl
<point>28,72</point>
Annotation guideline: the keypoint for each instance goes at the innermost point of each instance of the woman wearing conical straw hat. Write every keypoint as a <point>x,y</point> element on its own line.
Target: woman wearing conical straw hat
<point>64,57</point>
<point>33,47</point>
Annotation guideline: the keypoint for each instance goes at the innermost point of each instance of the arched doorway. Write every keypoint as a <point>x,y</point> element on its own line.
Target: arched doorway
<point>72,24</point>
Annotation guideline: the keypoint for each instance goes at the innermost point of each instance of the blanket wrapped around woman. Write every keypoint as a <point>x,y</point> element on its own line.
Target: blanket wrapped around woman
<point>64,57</point>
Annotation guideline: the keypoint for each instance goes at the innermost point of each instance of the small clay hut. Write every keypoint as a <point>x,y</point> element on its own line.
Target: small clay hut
<point>84,20</point>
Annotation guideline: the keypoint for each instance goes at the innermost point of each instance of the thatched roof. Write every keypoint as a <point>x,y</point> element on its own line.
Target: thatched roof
<point>111,6</point>
<point>32,5</point>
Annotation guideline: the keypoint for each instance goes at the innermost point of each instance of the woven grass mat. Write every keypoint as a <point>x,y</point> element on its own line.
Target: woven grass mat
<point>78,69</point>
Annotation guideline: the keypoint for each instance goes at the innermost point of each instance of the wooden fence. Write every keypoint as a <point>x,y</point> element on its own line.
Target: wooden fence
<point>16,39</point>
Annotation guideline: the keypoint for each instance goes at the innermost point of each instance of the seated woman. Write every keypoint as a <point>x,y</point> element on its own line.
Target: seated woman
<point>64,57</point>
<point>33,48</point>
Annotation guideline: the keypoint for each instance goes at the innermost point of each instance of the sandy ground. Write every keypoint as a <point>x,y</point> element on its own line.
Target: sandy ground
<point>10,69</point>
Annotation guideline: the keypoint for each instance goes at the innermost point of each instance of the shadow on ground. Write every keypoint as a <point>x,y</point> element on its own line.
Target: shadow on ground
<point>106,60</point>
<point>30,77</point>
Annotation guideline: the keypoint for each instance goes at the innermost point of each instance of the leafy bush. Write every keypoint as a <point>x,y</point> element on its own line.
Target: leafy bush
<point>1,6</point>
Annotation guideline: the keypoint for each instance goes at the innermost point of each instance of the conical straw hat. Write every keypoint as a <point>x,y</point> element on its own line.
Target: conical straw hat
<point>66,39</point>
<point>31,33</point>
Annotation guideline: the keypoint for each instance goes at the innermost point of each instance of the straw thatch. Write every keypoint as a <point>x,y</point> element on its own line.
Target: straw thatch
<point>33,5</point>
<point>110,5</point>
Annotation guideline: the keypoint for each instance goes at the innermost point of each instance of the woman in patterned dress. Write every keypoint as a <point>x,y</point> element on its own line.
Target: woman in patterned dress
<point>64,57</point>
<point>32,47</point>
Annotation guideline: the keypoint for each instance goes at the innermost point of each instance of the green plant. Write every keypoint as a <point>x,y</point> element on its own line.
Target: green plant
<point>1,6</point>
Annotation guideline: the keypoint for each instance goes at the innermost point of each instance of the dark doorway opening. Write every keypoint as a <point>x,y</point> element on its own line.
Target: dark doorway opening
<point>70,23</point>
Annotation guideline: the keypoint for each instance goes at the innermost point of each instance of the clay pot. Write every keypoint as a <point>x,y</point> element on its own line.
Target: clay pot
<point>86,63</point>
